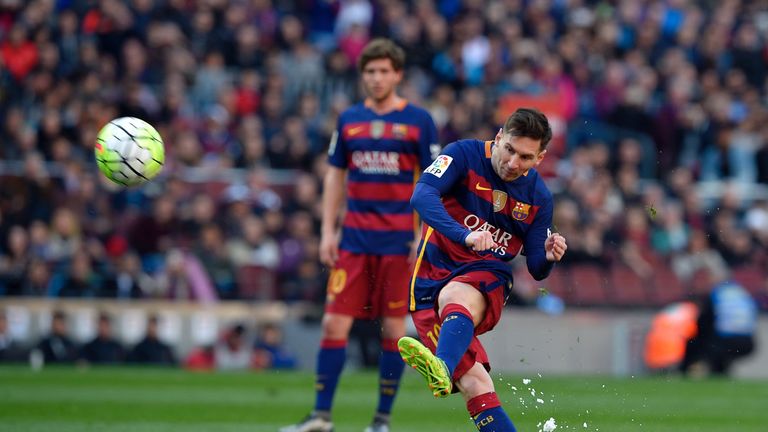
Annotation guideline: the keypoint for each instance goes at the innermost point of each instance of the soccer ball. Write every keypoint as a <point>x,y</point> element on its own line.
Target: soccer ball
<point>129,151</point>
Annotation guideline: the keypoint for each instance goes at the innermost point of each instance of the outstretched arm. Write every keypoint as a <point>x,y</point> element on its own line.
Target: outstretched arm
<point>426,201</point>
<point>542,248</point>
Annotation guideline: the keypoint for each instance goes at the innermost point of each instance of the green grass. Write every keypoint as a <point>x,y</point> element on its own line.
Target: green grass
<point>124,399</point>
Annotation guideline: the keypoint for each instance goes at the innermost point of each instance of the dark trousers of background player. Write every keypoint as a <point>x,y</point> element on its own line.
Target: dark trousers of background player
<point>717,352</point>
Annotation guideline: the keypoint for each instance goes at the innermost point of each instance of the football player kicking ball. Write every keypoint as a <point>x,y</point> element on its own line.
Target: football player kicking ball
<point>482,203</point>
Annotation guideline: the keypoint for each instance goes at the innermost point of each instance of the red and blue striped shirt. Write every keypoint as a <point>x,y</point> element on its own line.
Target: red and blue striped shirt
<point>518,214</point>
<point>384,155</point>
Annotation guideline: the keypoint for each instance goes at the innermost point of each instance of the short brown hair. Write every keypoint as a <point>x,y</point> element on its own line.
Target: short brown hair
<point>382,48</point>
<point>529,123</point>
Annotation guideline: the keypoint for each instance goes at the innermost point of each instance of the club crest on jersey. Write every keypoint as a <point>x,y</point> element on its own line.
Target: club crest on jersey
<point>499,200</point>
<point>521,211</point>
<point>377,129</point>
<point>399,130</point>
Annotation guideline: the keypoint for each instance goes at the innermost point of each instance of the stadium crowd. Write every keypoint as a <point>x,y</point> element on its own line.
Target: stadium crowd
<point>660,159</point>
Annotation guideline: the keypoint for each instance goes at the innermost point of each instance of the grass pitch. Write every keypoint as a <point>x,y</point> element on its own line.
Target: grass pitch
<point>126,399</point>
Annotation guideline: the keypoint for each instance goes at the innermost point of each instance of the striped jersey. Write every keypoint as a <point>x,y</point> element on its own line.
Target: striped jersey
<point>384,156</point>
<point>518,213</point>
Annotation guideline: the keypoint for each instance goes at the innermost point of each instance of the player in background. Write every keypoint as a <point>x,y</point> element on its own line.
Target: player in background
<point>375,157</point>
<point>482,203</point>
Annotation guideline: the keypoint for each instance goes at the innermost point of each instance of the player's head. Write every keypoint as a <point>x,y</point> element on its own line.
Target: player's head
<point>521,144</point>
<point>381,66</point>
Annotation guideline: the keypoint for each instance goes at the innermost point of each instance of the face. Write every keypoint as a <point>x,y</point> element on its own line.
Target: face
<point>380,79</point>
<point>513,156</point>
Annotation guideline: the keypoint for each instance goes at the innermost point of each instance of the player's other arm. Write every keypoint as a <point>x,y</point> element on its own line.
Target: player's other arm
<point>542,248</point>
<point>333,194</point>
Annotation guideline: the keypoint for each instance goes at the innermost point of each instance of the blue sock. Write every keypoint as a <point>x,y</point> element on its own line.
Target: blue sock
<point>456,334</point>
<point>330,362</point>
<point>488,414</point>
<point>390,370</point>
<point>494,420</point>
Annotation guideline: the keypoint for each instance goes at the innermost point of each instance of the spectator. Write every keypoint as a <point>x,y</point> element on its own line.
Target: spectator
<point>269,352</point>
<point>212,252</point>
<point>10,349</point>
<point>671,235</point>
<point>37,280</point>
<point>65,237</point>
<point>104,348</point>
<point>57,347</point>
<point>151,350</point>
<point>233,352</point>
<point>129,281</point>
<point>254,246</point>
<point>727,323</point>
<point>19,54</point>
<point>671,329</point>
<point>699,256</point>
<point>200,359</point>
<point>82,279</point>
<point>184,278</point>
<point>14,264</point>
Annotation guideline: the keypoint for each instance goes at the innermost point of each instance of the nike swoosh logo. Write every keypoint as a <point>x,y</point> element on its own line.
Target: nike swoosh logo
<point>481,188</point>
<point>355,130</point>
<point>395,305</point>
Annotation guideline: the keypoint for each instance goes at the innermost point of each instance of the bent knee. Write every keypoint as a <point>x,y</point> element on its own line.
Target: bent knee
<point>465,295</point>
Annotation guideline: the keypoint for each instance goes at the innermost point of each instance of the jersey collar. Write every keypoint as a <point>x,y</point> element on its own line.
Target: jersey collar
<point>368,103</point>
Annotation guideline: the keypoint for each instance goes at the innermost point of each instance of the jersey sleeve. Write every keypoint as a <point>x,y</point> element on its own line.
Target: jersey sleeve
<point>533,245</point>
<point>429,148</point>
<point>337,148</point>
<point>446,169</point>
<point>426,201</point>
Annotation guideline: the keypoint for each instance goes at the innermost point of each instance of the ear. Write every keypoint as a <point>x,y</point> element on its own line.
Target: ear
<point>498,135</point>
<point>540,157</point>
<point>399,75</point>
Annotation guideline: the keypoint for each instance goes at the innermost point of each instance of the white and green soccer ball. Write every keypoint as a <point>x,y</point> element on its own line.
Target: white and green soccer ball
<point>129,151</point>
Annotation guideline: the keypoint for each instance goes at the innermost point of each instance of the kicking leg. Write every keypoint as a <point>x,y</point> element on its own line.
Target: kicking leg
<point>462,307</point>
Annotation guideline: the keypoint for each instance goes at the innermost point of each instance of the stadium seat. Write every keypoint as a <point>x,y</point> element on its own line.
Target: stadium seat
<point>754,279</point>
<point>523,283</point>
<point>666,287</point>
<point>587,286</point>
<point>527,286</point>
<point>557,282</point>
<point>627,288</point>
<point>256,283</point>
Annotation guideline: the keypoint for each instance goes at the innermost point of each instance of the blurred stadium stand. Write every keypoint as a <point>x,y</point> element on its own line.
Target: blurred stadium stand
<point>659,163</point>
